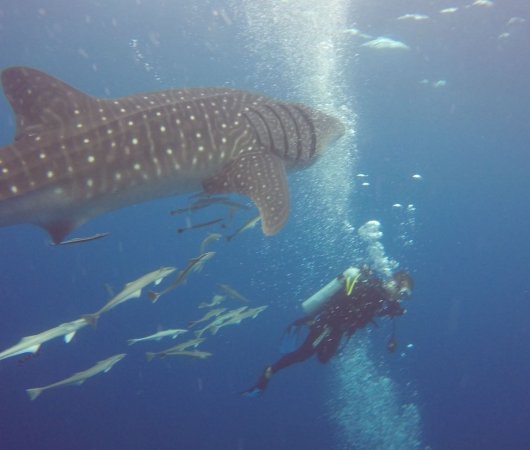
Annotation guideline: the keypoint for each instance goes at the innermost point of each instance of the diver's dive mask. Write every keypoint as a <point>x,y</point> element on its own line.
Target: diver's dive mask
<point>400,286</point>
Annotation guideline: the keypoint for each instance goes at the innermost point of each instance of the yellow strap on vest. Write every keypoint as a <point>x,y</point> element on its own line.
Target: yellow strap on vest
<point>350,283</point>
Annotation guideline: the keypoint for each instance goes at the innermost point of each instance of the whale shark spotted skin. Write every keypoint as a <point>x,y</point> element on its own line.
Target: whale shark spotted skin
<point>75,156</point>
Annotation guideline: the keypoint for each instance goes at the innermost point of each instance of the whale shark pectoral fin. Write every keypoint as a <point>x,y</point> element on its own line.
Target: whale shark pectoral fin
<point>261,176</point>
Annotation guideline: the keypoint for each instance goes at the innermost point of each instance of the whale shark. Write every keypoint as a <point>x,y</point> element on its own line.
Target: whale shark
<point>76,156</point>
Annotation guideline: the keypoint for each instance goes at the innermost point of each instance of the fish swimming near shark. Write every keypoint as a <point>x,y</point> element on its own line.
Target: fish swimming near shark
<point>201,225</point>
<point>216,300</point>
<point>219,321</point>
<point>212,237</point>
<point>194,265</point>
<point>82,240</point>
<point>194,354</point>
<point>80,377</point>
<point>231,292</point>
<point>212,313</point>
<point>75,156</point>
<point>173,334</point>
<point>236,319</point>
<point>31,344</point>
<point>247,226</point>
<point>130,291</point>
<point>205,202</point>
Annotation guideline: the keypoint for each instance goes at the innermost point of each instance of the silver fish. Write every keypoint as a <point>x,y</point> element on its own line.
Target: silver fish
<point>31,344</point>
<point>231,292</point>
<point>173,334</point>
<point>80,377</point>
<point>130,291</point>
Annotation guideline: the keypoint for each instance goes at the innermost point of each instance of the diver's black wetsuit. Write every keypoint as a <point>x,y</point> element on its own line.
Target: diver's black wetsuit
<point>343,315</point>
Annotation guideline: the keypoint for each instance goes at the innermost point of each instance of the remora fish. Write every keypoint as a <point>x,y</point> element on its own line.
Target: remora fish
<point>231,292</point>
<point>80,377</point>
<point>250,224</point>
<point>194,354</point>
<point>82,240</point>
<point>75,156</point>
<point>157,336</point>
<point>252,312</point>
<point>200,225</point>
<point>131,290</point>
<point>219,320</point>
<point>185,345</point>
<point>212,237</point>
<point>194,265</point>
<point>216,300</point>
<point>175,349</point>
<point>207,316</point>
<point>205,202</point>
<point>236,319</point>
<point>31,344</point>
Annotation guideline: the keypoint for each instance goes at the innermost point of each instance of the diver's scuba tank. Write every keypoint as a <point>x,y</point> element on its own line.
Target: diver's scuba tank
<point>346,280</point>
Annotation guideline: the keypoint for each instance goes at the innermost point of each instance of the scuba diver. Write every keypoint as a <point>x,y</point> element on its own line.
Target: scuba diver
<point>349,302</point>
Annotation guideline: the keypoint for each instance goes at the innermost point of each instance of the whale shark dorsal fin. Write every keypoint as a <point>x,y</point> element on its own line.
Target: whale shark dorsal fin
<point>261,176</point>
<point>41,102</point>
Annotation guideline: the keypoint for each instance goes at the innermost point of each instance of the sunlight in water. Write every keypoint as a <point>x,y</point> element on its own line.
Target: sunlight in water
<point>303,49</point>
<point>365,405</point>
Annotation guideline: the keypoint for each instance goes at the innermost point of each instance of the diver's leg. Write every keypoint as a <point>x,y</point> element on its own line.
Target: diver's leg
<point>328,347</point>
<point>305,351</point>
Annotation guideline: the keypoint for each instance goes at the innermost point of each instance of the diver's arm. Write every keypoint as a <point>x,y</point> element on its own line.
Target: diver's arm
<point>392,309</point>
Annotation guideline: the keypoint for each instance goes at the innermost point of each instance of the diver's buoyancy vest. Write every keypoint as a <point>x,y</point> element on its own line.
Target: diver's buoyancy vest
<point>317,302</point>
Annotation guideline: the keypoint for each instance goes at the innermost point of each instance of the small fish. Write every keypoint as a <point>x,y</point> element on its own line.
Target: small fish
<point>80,240</point>
<point>252,312</point>
<point>250,224</point>
<point>204,202</point>
<point>383,43</point>
<point>158,336</point>
<point>31,344</point>
<point>212,237</point>
<point>130,291</point>
<point>175,349</point>
<point>80,377</point>
<point>185,345</point>
<point>232,293</point>
<point>207,316</point>
<point>219,321</point>
<point>216,300</point>
<point>236,319</point>
<point>201,203</point>
<point>200,225</point>
<point>194,265</point>
<point>194,354</point>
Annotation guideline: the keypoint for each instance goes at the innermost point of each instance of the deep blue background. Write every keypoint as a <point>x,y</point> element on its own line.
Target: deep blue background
<point>470,257</point>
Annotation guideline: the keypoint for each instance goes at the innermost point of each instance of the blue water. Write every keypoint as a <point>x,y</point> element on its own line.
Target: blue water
<point>464,374</point>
